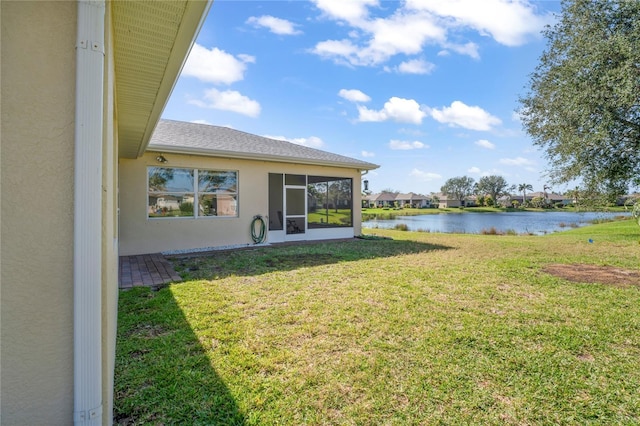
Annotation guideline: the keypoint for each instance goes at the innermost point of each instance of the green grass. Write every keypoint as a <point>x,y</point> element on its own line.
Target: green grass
<point>422,329</point>
<point>330,216</point>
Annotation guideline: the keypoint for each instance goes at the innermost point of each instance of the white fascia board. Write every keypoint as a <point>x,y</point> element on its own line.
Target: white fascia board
<point>257,157</point>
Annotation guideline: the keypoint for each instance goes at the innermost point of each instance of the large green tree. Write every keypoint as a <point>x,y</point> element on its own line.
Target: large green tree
<point>494,185</point>
<point>458,188</point>
<point>583,102</point>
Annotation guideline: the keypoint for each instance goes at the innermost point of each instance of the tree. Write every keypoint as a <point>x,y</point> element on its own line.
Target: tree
<point>389,191</point>
<point>537,202</point>
<point>583,103</point>
<point>458,188</point>
<point>574,194</point>
<point>636,212</point>
<point>494,186</point>
<point>524,187</point>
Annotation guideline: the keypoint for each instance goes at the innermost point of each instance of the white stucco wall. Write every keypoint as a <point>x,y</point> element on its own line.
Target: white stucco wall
<point>38,107</point>
<point>138,234</point>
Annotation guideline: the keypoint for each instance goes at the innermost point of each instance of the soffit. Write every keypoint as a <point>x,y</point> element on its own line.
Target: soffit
<point>151,43</point>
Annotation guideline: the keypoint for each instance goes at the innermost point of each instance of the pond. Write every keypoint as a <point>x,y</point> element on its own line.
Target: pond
<point>535,223</point>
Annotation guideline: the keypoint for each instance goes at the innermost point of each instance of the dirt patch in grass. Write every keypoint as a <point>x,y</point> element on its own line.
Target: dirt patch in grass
<point>595,274</point>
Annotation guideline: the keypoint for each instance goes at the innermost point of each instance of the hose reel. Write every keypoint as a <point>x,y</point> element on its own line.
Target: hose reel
<point>260,235</point>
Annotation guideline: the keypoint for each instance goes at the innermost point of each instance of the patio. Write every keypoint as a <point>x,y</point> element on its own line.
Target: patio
<point>146,270</point>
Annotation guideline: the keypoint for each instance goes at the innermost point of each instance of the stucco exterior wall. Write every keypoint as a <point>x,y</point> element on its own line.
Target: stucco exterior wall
<point>38,107</point>
<point>138,234</point>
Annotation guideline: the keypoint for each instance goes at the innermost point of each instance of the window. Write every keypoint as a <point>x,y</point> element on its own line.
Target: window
<point>173,193</point>
<point>329,202</point>
<point>276,202</point>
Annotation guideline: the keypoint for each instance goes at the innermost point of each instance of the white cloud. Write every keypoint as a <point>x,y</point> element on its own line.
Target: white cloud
<point>518,161</point>
<point>354,95</point>
<point>470,49</point>
<point>414,24</point>
<point>311,142</point>
<point>352,11</point>
<point>215,65</point>
<point>229,100</point>
<point>396,109</point>
<point>483,143</point>
<point>200,122</point>
<point>367,154</point>
<point>508,22</point>
<point>399,34</point>
<point>406,145</point>
<point>425,176</point>
<point>247,58</point>
<point>469,117</point>
<point>341,51</point>
<point>477,171</point>
<point>415,66</point>
<point>275,25</point>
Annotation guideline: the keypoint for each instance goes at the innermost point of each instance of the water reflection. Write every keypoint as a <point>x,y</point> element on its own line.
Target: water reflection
<point>536,223</point>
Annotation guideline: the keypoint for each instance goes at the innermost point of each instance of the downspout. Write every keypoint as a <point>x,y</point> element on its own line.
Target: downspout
<point>87,245</point>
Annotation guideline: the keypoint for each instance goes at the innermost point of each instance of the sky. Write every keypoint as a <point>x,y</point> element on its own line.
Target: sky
<point>426,89</point>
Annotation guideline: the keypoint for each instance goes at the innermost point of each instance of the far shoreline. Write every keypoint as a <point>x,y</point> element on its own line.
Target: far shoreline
<point>390,213</point>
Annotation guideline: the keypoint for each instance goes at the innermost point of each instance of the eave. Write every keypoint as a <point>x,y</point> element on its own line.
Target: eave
<point>152,40</point>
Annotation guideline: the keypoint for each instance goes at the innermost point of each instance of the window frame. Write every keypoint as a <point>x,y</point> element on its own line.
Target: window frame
<point>196,193</point>
<point>315,179</point>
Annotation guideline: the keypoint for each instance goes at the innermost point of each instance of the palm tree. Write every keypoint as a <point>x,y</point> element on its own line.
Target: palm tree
<point>545,187</point>
<point>524,187</point>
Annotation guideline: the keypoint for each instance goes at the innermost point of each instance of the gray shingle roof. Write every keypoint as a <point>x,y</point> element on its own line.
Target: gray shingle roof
<point>216,141</point>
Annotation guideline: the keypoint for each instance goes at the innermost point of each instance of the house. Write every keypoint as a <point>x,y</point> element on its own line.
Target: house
<point>83,86</point>
<point>382,200</point>
<point>416,201</point>
<point>218,179</point>
<point>445,202</point>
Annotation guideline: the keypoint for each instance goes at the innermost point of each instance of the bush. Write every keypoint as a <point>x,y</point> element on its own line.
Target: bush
<point>186,208</point>
<point>401,227</point>
<point>491,231</point>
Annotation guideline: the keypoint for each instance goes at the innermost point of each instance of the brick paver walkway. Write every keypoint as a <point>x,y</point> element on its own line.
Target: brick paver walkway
<point>150,270</point>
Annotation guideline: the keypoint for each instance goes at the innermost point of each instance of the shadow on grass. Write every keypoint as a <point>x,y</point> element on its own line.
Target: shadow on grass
<point>257,261</point>
<point>163,374</point>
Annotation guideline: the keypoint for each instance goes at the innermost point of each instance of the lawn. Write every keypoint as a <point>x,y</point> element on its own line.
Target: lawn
<point>421,329</point>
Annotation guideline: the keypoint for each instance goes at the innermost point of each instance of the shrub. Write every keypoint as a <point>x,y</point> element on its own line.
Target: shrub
<point>401,227</point>
<point>491,231</point>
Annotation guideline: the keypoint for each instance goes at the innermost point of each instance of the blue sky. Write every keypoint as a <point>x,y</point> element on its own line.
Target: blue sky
<point>426,89</point>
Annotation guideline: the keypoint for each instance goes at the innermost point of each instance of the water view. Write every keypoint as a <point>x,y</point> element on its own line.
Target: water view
<point>536,223</point>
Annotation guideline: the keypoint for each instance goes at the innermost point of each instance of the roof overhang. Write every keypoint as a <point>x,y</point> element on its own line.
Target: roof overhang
<point>152,40</point>
<point>258,157</point>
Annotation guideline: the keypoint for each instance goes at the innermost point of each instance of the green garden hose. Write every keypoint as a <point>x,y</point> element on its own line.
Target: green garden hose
<point>262,235</point>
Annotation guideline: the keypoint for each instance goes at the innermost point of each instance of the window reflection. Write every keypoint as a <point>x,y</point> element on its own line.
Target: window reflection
<point>329,202</point>
<point>173,193</point>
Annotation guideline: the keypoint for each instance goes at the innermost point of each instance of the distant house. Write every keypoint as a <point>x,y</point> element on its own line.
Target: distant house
<point>445,201</point>
<point>416,201</point>
<point>392,199</point>
<point>385,199</point>
<point>204,184</point>
<point>550,198</point>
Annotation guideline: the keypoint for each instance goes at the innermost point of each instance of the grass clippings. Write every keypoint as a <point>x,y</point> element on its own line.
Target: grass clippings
<point>425,328</point>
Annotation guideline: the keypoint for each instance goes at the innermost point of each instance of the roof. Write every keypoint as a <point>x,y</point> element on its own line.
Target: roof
<point>411,196</point>
<point>151,42</point>
<point>216,141</point>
